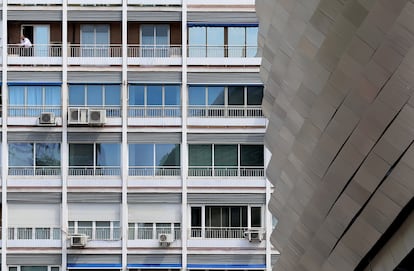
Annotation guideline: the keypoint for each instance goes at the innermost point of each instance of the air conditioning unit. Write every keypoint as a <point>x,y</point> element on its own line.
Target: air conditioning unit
<point>254,235</point>
<point>165,239</point>
<point>77,116</point>
<point>47,118</point>
<point>97,116</point>
<point>78,240</point>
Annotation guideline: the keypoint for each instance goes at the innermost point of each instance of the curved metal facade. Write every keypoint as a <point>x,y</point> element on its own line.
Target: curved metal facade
<point>339,80</point>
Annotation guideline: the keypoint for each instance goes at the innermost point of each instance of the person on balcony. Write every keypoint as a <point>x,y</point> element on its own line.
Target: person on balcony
<point>26,45</point>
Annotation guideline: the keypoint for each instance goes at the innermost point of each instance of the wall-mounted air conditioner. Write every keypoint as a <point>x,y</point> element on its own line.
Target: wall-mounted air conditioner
<point>165,239</point>
<point>254,235</point>
<point>97,117</point>
<point>78,240</point>
<point>77,116</point>
<point>47,118</point>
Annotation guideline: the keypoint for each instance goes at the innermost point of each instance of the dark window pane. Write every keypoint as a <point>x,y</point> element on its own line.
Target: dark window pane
<point>200,155</point>
<point>225,155</point>
<point>251,155</point>
<point>197,95</point>
<point>254,95</point>
<point>47,154</point>
<point>243,216</point>
<point>236,95</point>
<point>256,217</point>
<point>112,95</point>
<point>213,217</point>
<point>167,154</point>
<point>154,95</point>
<point>235,217</point>
<point>21,154</point>
<point>196,216</point>
<point>141,154</point>
<point>80,154</point>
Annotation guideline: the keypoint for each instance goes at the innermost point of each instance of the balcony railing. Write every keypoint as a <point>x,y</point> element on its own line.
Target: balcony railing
<point>224,112</point>
<point>37,50</point>
<point>95,50</point>
<point>98,233</point>
<point>34,233</point>
<point>154,111</point>
<point>154,51</point>
<point>34,171</point>
<point>111,111</point>
<point>151,233</point>
<point>154,171</point>
<point>226,171</point>
<point>218,232</point>
<point>222,51</point>
<point>94,171</point>
<point>32,111</point>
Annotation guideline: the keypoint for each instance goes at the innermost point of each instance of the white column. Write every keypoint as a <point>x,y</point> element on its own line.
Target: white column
<point>184,146</point>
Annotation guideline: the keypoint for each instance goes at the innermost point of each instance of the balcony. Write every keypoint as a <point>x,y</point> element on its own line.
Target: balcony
<point>154,115</point>
<point>224,112</point>
<point>154,171</point>
<point>39,54</point>
<point>223,55</point>
<point>155,2</point>
<point>94,171</point>
<point>95,54</point>
<point>218,232</point>
<point>34,237</point>
<point>34,2</point>
<point>33,111</point>
<point>95,2</point>
<point>35,171</point>
<point>226,171</point>
<point>98,233</point>
<point>151,233</point>
<point>154,55</point>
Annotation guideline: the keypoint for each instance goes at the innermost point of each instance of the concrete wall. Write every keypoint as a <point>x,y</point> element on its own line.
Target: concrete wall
<point>339,84</point>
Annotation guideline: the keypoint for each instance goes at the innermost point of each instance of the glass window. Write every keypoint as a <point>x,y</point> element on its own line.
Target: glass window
<point>172,95</point>
<point>154,95</point>
<point>16,95</point>
<point>195,216</point>
<point>254,95</point>
<point>108,154</point>
<point>112,94</point>
<point>94,95</point>
<point>251,41</point>
<point>167,154</point>
<point>256,216</point>
<point>200,155</point>
<point>34,95</point>
<point>225,155</point>
<point>21,154</point>
<point>136,95</point>
<point>33,268</point>
<point>52,95</point>
<point>215,41</point>
<point>81,155</point>
<point>76,95</point>
<point>85,227</point>
<point>197,95</point>
<point>236,95</point>
<point>251,155</point>
<point>236,41</point>
<point>47,154</point>
<point>216,95</point>
<point>197,40</point>
<point>103,230</point>
<point>141,155</point>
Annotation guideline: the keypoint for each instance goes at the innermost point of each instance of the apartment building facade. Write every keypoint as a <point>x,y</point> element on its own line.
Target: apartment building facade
<point>132,136</point>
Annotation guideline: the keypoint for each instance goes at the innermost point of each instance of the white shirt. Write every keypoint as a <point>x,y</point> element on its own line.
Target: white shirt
<point>25,43</point>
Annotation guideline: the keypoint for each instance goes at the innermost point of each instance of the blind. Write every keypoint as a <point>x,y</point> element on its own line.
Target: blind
<point>34,15</point>
<point>34,259</point>
<point>96,197</point>
<point>154,77</point>
<point>154,198</point>
<point>224,258</point>
<point>34,76</point>
<point>162,213</point>
<point>85,77</point>
<point>230,198</point>
<point>225,138</point>
<point>34,197</point>
<point>33,215</point>
<point>94,258</point>
<point>221,17</point>
<point>94,137</point>
<point>154,259</point>
<point>226,78</point>
<point>94,212</point>
<point>154,16</point>
<point>34,137</point>
<point>94,15</point>
<point>154,138</point>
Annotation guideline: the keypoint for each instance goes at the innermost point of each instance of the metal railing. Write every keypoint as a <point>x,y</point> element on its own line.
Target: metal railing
<point>154,51</point>
<point>37,50</point>
<point>218,232</point>
<point>154,111</point>
<point>33,111</point>
<point>154,171</point>
<point>94,171</point>
<point>222,51</point>
<point>98,233</point>
<point>110,111</point>
<point>34,171</point>
<point>224,112</point>
<point>151,233</point>
<point>225,171</point>
<point>95,50</point>
<point>34,233</point>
